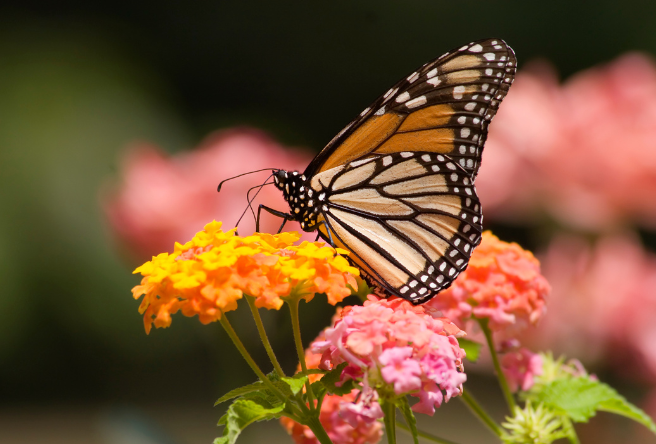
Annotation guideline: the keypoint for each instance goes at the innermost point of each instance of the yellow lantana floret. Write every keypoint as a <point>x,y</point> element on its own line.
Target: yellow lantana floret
<point>207,275</point>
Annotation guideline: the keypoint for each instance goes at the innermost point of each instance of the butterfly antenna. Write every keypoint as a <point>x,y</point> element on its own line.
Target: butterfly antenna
<point>218,189</point>
<point>250,201</point>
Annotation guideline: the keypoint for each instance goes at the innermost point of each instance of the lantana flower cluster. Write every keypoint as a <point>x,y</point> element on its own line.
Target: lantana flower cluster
<point>337,416</point>
<point>209,274</point>
<point>502,284</point>
<point>392,349</point>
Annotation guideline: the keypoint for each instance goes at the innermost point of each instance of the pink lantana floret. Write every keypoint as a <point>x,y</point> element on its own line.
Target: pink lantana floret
<point>366,410</point>
<point>520,368</point>
<point>400,369</point>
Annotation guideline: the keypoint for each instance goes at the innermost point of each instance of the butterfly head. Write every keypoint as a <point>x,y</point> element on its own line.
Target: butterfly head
<point>291,183</point>
<point>280,179</point>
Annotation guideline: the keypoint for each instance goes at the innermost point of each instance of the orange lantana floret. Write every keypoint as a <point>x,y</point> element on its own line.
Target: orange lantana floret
<point>209,274</point>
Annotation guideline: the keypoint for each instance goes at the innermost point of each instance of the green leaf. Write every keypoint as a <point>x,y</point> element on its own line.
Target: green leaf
<point>319,389</point>
<point>624,408</point>
<point>409,416</point>
<point>244,412</point>
<point>240,391</point>
<point>472,348</point>
<point>333,377</point>
<point>580,399</point>
<point>296,382</point>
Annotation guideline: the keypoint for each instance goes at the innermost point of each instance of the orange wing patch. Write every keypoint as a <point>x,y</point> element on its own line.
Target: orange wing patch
<point>464,76</point>
<point>436,115</point>
<point>365,139</point>
<point>439,140</point>
<point>461,62</point>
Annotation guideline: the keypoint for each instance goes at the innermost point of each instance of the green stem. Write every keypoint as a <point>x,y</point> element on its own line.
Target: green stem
<point>497,366</point>
<point>390,421</point>
<point>424,435</point>
<point>319,432</point>
<point>263,336</point>
<point>480,413</point>
<point>293,309</point>
<point>244,353</point>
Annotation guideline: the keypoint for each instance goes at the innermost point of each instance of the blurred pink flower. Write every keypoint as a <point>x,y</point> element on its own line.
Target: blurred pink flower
<point>520,367</point>
<point>582,152</point>
<point>164,198</point>
<point>603,303</point>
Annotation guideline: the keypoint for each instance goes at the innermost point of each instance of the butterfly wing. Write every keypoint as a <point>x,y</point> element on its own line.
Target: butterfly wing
<point>396,186</point>
<point>443,107</point>
<point>411,220</point>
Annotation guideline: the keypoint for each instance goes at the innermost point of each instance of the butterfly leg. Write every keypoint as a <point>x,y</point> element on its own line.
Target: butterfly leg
<point>330,236</point>
<point>284,221</point>
<point>284,216</point>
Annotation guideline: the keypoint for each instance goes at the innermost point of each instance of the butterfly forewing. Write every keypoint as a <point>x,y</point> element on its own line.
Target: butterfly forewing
<point>444,107</point>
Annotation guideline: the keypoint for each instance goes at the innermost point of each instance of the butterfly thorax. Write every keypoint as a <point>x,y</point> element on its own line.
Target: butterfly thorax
<point>296,190</point>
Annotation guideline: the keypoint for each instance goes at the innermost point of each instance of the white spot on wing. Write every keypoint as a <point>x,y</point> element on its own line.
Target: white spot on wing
<point>402,97</point>
<point>380,112</point>
<point>414,76</point>
<point>432,73</point>
<point>476,48</point>
<point>434,81</point>
<point>489,56</point>
<point>360,162</point>
<point>458,92</point>
<point>416,102</point>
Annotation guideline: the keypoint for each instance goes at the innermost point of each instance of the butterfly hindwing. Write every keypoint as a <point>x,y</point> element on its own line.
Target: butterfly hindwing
<point>443,107</point>
<point>411,220</point>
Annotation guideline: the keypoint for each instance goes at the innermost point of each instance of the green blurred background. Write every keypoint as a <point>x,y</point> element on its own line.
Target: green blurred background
<point>80,80</point>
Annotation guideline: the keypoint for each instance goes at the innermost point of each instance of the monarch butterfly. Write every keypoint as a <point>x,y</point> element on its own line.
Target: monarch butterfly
<point>396,186</point>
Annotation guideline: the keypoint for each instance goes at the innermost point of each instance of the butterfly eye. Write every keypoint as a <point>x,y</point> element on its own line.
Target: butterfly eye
<point>279,178</point>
